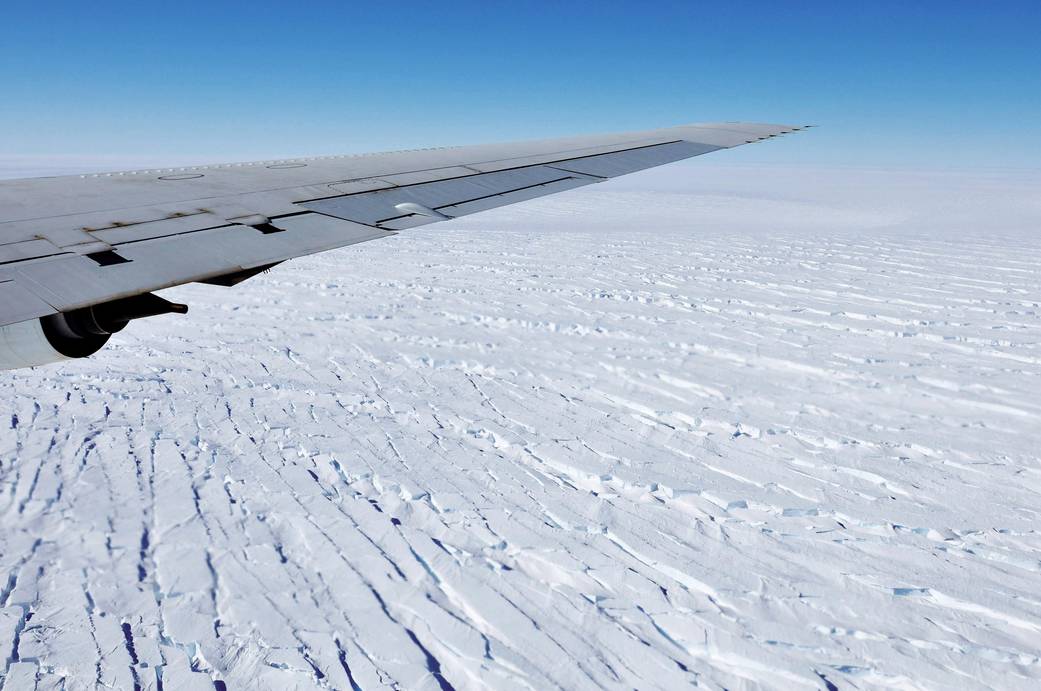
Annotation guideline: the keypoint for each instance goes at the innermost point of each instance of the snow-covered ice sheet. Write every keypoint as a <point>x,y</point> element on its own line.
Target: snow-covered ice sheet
<point>618,438</point>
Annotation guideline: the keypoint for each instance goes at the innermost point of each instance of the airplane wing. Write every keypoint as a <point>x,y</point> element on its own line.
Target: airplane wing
<point>80,255</point>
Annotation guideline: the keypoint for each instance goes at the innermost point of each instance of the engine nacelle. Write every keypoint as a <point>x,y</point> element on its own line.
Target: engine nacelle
<point>27,344</point>
<point>75,334</point>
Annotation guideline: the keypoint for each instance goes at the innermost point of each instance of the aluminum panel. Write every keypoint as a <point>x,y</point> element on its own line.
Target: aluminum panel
<point>128,196</point>
<point>505,198</point>
<point>427,175</point>
<point>462,195</point>
<point>19,304</point>
<point>72,281</point>
<point>16,251</point>
<point>624,162</point>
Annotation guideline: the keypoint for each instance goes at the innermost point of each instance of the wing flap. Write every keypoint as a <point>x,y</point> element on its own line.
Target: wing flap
<point>18,304</point>
<point>447,198</point>
<point>71,281</point>
<point>615,164</point>
<point>453,197</point>
<point>27,249</point>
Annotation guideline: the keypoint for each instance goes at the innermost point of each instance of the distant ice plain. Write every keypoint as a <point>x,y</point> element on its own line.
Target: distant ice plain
<point>716,426</point>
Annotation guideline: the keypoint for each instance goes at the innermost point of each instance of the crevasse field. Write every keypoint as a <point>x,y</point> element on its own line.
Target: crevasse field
<point>706,426</point>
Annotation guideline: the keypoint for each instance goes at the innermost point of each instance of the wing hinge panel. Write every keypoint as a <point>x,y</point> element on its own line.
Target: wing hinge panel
<point>17,303</point>
<point>420,203</point>
<point>404,207</point>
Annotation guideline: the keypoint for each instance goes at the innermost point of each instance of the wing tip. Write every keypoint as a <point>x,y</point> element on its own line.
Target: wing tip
<point>767,131</point>
<point>746,132</point>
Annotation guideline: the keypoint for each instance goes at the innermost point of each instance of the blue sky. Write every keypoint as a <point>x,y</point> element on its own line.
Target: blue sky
<point>892,84</point>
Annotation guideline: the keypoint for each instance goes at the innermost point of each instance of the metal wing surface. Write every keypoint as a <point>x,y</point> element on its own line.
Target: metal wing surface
<point>70,242</point>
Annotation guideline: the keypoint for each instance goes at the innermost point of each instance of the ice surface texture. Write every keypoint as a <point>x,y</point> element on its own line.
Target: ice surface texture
<point>603,440</point>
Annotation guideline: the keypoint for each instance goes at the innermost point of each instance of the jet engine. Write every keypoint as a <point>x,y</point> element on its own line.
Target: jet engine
<point>77,333</point>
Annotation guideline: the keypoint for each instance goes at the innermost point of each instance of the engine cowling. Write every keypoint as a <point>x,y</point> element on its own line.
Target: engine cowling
<point>77,333</point>
<point>27,344</point>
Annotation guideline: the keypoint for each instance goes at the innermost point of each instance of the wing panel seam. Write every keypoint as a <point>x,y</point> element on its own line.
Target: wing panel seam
<point>487,172</point>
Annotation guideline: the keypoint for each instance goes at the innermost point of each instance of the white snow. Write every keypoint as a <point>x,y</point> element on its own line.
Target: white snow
<point>705,426</point>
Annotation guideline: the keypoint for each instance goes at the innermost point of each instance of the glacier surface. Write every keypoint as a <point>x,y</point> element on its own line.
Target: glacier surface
<point>701,427</point>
